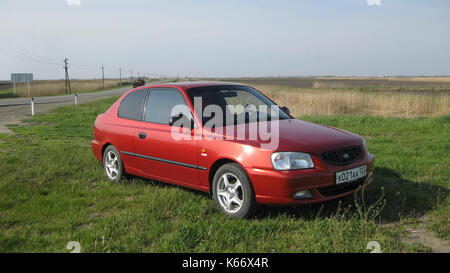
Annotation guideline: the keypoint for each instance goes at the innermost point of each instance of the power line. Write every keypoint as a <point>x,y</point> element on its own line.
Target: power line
<point>84,67</point>
<point>24,57</point>
<point>22,51</point>
<point>24,54</point>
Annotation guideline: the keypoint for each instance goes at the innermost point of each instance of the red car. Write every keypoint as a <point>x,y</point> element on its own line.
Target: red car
<point>244,156</point>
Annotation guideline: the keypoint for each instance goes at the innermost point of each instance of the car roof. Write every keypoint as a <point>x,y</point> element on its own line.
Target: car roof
<point>189,85</point>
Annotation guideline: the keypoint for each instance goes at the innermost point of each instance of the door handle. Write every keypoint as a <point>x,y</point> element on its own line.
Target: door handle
<point>142,135</point>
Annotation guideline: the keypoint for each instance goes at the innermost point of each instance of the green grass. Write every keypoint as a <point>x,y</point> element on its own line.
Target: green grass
<point>6,93</point>
<point>412,164</point>
<point>52,191</point>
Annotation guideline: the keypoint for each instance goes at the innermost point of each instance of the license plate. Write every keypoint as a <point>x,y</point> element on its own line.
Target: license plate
<point>351,175</point>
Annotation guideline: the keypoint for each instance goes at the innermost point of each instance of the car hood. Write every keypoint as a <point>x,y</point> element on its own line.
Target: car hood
<point>303,136</point>
<point>295,136</point>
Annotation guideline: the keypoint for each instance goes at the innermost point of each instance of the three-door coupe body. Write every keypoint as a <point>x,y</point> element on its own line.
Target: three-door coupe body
<point>309,162</point>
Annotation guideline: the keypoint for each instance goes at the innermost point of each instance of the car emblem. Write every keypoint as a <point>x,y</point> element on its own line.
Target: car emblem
<point>346,156</point>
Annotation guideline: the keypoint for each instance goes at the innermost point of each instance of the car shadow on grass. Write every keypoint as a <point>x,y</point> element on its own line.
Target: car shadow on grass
<point>161,184</point>
<point>403,199</point>
<point>406,198</point>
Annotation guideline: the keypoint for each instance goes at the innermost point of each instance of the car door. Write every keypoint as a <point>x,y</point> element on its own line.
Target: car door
<point>165,152</point>
<point>128,117</point>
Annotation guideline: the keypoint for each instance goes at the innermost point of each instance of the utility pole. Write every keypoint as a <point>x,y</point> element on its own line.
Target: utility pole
<point>103,76</point>
<point>120,76</point>
<point>66,76</point>
<point>131,74</point>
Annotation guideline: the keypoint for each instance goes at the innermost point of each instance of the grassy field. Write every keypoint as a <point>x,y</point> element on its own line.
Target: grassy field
<point>53,191</point>
<point>6,93</point>
<point>382,82</point>
<point>57,87</point>
<point>388,97</point>
<point>360,101</point>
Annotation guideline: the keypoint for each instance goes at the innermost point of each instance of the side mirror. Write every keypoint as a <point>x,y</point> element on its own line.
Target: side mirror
<point>181,120</point>
<point>286,110</point>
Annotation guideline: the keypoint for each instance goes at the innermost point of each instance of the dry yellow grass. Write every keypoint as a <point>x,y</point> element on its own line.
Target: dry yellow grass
<point>423,79</point>
<point>411,79</point>
<point>57,87</point>
<point>328,101</point>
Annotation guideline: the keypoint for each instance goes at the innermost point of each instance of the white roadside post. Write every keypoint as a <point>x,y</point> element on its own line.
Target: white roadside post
<point>76,99</point>
<point>32,106</point>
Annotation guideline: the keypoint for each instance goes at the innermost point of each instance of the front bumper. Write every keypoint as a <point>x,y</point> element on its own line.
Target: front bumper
<point>279,187</point>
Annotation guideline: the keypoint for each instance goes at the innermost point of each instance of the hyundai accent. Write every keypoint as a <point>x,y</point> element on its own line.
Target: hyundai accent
<point>229,140</point>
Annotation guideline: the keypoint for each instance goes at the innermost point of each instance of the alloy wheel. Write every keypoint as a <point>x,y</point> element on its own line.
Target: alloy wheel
<point>230,192</point>
<point>111,165</point>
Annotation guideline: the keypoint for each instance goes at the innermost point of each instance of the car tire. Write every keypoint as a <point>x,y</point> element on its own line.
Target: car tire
<point>113,164</point>
<point>233,191</point>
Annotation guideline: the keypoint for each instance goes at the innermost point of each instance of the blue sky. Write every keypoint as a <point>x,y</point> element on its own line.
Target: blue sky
<point>225,38</point>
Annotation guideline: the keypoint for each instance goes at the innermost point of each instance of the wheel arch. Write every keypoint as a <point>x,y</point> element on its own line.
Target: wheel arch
<point>104,148</point>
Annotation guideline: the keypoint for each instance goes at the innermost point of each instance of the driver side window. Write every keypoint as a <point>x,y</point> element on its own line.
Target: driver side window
<point>242,98</point>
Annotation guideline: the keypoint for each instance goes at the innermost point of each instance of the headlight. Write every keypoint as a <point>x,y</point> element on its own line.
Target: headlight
<point>291,161</point>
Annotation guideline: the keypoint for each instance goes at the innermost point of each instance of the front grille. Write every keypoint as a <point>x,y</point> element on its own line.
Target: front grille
<point>343,156</point>
<point>340,189</point>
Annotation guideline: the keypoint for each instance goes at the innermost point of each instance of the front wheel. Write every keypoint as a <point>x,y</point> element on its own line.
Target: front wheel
<point>112,163</point>
<point>233,192</point>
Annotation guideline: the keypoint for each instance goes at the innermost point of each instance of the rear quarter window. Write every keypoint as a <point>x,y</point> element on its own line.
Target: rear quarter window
<point>131,105</point>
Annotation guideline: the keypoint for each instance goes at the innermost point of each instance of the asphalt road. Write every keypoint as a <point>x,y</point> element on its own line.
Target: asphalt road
<point>12,111</point>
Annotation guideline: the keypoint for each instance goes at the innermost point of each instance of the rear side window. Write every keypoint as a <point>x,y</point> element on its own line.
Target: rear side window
<point>160,104</point>
<point>131,105</point>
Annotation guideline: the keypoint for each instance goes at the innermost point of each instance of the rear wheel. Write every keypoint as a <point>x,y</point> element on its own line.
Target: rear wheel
<point>233,192</point>
<point>112,164</point>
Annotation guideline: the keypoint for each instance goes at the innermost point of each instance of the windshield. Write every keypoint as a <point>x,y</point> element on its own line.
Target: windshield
<point>233,105</point>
